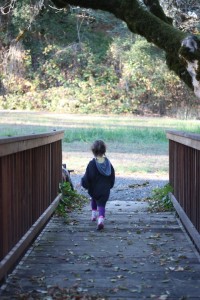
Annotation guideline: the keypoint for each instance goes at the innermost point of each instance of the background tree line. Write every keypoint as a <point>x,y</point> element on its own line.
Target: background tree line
<point>85,61</point>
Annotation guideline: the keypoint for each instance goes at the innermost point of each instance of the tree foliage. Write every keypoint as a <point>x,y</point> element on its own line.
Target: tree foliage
<point>185,14</point>
<point>147,18</point>
<point>83,60</point>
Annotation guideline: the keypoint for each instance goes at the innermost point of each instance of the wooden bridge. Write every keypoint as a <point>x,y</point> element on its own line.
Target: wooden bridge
<point>139,255</point>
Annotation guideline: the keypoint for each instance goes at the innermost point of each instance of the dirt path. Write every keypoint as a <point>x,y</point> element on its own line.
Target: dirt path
<point>139,255</point>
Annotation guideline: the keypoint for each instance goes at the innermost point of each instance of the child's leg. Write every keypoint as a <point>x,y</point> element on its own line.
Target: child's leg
<point>101,209</point>
<point>94,210</point>
<point>93,204</point>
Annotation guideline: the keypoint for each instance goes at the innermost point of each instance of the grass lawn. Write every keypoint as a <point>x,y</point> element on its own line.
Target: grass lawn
<point>137,146</point>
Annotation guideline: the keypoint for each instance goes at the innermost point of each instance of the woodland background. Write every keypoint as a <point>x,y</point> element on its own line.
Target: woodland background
<point>84,61</point>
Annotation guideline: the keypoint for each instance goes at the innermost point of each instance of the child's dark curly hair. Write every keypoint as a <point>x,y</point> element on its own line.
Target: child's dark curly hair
<point>98,148</point>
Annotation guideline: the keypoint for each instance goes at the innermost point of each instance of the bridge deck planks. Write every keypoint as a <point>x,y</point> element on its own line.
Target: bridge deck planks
<point>138,255</point>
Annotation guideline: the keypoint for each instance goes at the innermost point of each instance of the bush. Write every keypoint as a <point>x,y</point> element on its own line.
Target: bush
<point>70,200</point>
<point>94,65</point>
<point>160,200</point>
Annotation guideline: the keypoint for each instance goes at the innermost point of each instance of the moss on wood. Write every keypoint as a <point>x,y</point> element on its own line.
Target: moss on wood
<point>177,65</point>
<point>155,8</point>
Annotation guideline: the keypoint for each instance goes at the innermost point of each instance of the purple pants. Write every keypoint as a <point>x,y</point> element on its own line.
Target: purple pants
<point>101,208</point>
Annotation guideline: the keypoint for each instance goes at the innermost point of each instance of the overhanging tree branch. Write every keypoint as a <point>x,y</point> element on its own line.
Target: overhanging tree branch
<point>154,7</point>
<point>149,20</point>
<point>145,18</point>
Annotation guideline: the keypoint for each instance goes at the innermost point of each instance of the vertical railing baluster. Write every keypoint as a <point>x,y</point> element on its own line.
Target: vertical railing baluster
<point>184,172</point>
<point>30,172</point>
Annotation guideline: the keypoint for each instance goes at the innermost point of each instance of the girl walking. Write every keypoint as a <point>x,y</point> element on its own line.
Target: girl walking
<point>98,179</point>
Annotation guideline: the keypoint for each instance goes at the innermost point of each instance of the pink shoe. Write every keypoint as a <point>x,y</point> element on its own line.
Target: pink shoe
<point>100,225</point>
<point>94,215</point>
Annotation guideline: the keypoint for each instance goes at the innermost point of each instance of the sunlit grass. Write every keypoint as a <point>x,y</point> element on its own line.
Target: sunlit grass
<point>86,127</point>
<point>135,145</point>
<point>124,134</point>
<point>46,121</point>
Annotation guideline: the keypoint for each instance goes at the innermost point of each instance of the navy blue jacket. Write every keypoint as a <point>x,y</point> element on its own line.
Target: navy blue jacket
<point>98,179</point>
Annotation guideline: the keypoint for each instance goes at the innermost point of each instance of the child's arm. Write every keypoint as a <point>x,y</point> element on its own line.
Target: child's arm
<point>112,177</point>
<point>84,182</point>
<point>85,179</point>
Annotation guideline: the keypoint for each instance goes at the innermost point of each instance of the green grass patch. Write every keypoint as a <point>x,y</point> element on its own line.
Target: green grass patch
<point>144,164</point>
<point>124,134</point>
<point>89,127</point>
<point>134,144</point>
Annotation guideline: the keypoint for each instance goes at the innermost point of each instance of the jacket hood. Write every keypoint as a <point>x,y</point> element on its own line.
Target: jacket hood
<point>105,167</point>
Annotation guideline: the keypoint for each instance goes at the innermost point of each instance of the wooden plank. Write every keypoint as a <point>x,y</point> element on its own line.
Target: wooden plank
<point>132,258</point>
<point>5,212</point>
<point>193,233</point>
<point>1,210</point>
<point>184,175</point>
<point>16,144</point>
<point>7,263</point>
<point>189,135</point>
<point>26,184</point>
<point>190,140</point>
<point>5,140</point>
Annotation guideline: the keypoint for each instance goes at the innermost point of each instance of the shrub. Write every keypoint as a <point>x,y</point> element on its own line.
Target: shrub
<point>70,200</point>
<point>160,200</point>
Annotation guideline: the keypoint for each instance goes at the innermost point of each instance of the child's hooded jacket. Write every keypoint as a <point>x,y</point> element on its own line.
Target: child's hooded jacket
<point>98,179</point>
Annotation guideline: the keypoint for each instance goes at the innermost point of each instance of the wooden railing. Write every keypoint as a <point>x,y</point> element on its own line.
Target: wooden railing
<point>184,176</point>
<point>30,172</point>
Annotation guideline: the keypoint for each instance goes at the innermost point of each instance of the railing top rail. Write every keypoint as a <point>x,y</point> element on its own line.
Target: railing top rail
<point>186,138</point>
<point>10,145</point>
